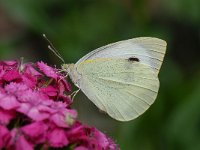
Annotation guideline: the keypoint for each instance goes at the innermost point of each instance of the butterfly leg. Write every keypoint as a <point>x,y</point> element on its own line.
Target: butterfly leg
<point>74,94</point>
<point>63,77</point>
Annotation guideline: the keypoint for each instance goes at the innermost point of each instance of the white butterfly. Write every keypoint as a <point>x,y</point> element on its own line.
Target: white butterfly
<point>121,78</point>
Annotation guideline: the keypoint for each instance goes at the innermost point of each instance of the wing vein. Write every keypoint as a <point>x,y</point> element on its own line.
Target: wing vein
<point>127,84</point>
<point>139,98</point>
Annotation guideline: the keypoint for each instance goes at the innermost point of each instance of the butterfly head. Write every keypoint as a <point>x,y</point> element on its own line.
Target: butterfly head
<point>67,67</point>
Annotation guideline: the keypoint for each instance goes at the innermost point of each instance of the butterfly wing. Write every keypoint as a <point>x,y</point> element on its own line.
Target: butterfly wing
<point>122,88</point>
<point>149,51</point>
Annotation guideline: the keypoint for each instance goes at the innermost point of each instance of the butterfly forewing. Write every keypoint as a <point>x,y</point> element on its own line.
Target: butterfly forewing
<point>149,51</point>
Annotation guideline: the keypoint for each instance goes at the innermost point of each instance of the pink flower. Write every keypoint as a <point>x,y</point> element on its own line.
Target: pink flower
<point>35,111</point>
<point>57,138</point>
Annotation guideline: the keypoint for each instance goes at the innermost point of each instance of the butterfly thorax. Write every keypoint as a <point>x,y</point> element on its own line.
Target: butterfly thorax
<point>72,72</point>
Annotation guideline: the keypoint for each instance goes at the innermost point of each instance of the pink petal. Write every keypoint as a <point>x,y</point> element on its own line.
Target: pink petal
<point>29,80</point>
<point>36,115</point>
<point>64,85</point>
<point>9,63</point>
<point>59,120</point>
<point>112,145</point>
<point>18,141</point>
<point>36,131</point>
<point>29,69</point>
<point>81,148</point>
<point>2,72</point>
<point>6,116</point>
<point>16,89</point>
<point>47,70</point>
<point>45,108</point>
<point>23,144</point>
<point>57,138</point>
<point>8,102</point>
<point>49,90</point>
<point>12,75</point>
<point>24,108</point>
<point>76,128</point>
<point>4,136</point>
<point>30,96</point>
<point>32,112</point>
<point>64,120</point>
<point>101,138</point>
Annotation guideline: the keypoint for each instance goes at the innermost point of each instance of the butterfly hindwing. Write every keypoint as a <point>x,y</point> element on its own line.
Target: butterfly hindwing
<point>124,89</point>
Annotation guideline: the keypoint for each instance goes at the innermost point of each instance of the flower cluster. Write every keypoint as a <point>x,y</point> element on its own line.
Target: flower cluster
<point>35,111</point>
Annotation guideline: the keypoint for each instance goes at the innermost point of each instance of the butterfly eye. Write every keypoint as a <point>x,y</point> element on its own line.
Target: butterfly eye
<point>133,59</point>
<point>64,66</point>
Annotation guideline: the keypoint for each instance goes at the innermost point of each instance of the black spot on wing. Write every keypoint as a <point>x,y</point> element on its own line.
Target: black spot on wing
<point>133,59</point>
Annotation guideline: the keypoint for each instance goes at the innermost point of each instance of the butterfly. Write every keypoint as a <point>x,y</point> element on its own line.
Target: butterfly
<point>121,78</point>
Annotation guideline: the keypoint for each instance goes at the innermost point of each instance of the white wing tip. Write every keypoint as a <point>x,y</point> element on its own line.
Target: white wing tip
<point>161,41</point>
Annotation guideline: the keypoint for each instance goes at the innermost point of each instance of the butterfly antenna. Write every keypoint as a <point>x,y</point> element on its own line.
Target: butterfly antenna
<point>53,49</point>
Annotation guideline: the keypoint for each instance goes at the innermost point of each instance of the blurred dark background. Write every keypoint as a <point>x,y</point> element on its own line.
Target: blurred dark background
<point>78,26</point>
